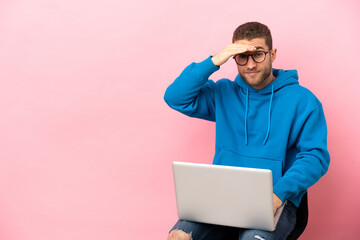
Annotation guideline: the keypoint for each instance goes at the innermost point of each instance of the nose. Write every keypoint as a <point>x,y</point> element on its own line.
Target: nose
<point>250,63</point>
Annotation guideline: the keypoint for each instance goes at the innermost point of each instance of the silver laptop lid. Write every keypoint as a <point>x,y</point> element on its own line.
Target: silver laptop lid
<point>223,195</point>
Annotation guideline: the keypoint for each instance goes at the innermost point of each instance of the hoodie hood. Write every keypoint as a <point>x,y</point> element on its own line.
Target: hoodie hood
<point>283,78</point>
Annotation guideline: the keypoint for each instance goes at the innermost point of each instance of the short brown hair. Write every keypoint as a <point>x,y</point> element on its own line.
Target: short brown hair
<point>251,30</point>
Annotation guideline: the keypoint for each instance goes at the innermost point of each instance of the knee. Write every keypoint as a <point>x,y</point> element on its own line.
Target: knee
<point>179,235</point>
<point>254,234</point>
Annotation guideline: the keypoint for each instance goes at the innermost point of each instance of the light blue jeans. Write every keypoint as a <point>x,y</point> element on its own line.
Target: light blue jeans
<point>202,231</point>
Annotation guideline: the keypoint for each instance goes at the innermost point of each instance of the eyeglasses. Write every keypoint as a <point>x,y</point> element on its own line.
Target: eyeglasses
<point>257,56</point>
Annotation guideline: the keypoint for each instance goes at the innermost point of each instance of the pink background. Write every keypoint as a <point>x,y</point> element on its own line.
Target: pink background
<point>86,140</point>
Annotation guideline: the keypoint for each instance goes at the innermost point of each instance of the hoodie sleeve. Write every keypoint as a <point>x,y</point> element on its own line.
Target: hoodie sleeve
<point>312,160</point>
<point>192,93</point>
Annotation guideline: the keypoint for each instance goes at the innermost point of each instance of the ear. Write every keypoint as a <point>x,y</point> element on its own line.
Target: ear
<point>273,55</point>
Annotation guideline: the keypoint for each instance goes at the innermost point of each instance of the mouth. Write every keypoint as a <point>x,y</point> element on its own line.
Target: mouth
<point>252,73</point>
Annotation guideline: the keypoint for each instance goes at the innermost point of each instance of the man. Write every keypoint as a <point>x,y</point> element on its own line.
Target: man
<point>264,119</point>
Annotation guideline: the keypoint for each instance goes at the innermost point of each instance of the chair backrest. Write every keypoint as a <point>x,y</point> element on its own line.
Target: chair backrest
<point>302,215</point>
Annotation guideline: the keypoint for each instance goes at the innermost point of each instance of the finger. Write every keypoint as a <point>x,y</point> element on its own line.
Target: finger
<point>244,48</point>
<point>251,48</point>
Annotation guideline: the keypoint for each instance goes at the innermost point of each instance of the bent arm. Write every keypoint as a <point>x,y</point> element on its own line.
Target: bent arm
<point>192,93</point>
<point>312,160</point>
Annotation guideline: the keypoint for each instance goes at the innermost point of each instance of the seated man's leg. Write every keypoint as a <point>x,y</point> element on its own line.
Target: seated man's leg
<point>283,229</point>
<point>187,230</point>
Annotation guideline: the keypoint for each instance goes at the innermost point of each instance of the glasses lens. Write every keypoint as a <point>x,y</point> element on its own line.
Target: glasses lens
<point>241,59</point>
<point>259,56</point>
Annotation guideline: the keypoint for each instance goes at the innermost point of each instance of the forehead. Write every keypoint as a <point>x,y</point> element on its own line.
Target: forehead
<point>257,42</point>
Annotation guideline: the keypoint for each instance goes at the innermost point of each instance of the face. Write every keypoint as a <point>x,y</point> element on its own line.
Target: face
<point>257,75</point>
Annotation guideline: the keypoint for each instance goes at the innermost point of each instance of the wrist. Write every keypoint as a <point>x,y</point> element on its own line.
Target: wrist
<point>217,62</point>
<point>277,200</point>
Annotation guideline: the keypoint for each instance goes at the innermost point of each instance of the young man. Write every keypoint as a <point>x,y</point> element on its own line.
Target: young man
<point>264,119</point>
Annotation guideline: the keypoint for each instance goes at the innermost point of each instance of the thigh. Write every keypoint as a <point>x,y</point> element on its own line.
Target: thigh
<point>203,231</point>
<point>284,227</point>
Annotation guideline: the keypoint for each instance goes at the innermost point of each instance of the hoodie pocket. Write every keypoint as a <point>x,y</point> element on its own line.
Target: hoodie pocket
<point>229,158</point>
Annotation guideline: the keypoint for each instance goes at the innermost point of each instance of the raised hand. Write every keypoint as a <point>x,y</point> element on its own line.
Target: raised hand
<point>230,50</point>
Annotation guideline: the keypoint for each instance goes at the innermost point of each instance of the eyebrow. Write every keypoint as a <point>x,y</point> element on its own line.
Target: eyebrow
<point>259,48</point>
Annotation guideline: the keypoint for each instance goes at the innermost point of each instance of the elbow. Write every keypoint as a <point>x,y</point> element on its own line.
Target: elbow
<point>326,162</point>
<point>168,98</point>
<point>171,99</point>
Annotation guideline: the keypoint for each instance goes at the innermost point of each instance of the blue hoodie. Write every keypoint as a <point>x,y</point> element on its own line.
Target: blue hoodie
<point>281,127</point>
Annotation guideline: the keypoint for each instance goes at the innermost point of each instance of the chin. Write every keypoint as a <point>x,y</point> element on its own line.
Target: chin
<point>253,83</point>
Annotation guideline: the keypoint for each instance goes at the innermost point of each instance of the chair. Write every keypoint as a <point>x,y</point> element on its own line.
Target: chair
<point>302,215</point>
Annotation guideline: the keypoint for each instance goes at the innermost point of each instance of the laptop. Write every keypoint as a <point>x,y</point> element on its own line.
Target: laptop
<point>223,195</point>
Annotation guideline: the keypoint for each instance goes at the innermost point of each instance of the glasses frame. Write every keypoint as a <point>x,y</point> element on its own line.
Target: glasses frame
<point>252,56</point>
